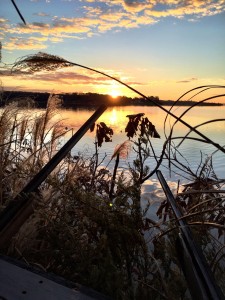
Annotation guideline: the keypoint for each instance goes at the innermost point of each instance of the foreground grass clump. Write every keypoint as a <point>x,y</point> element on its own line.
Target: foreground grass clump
<point>89,225</point>
<point>27,141</point>
<point>87,239</point>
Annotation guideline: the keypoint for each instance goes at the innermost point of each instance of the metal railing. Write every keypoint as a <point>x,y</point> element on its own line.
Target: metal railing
<point>197,272</point>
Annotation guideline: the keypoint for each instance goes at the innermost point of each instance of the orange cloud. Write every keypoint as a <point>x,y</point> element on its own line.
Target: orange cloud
<point>187,80</point>
<point>65,80</point>
<point>57,28</point>
<point>111,15</point>
<point>24,44</point>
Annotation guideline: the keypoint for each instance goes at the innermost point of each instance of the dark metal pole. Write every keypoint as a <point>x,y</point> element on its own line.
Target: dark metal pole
<point>20,208</point>
<point>18,11</point>
<point>199,277</point>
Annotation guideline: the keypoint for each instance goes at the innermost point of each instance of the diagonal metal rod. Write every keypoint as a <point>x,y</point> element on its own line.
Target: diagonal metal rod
<point>18,11</point>
<point>19,209</point>
<point>196,270</point>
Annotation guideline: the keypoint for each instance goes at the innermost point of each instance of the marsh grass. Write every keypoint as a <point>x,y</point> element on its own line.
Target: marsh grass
<point>88,224</point>
<point>89,227</point>
<point>26,143</point>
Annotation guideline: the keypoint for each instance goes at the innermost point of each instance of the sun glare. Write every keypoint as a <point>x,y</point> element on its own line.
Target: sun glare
<point>114,94</point>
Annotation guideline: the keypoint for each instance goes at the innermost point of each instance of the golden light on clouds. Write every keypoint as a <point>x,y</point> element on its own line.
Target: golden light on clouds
<point>113,15</point>
<point>160,47</point>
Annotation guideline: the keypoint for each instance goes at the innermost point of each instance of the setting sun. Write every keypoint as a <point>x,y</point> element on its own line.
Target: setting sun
<point>114,94</point>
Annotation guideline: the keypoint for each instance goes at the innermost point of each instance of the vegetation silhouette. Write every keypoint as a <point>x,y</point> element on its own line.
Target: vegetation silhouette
<point>89,225</point>
<point>73,100</point>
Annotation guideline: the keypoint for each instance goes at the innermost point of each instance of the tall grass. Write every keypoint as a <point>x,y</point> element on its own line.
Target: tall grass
<point>26,143</point>
<point>89,225</point>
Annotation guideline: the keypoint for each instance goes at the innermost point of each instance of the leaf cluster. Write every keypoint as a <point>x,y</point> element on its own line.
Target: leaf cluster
<point>138,122</point>
<point>103,133</point>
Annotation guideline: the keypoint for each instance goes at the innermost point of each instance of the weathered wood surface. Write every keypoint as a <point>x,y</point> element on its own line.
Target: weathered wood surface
<point>17,283</point>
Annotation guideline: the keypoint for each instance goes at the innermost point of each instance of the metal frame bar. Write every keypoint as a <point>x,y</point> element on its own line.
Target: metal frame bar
<point>21,207</point>
<point>199,277</point>
<point>18,11</point>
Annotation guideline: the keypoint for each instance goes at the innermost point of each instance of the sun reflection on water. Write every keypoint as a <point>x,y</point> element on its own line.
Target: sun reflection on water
<point>113,119</point>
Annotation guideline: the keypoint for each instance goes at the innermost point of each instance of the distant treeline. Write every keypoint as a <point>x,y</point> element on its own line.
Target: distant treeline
<point>85,99</point>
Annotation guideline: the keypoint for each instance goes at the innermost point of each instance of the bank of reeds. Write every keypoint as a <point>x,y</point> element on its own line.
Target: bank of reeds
<point>89,225</point>
<point>26,143</point>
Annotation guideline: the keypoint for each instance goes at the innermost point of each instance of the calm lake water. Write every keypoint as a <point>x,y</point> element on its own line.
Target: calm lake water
<point>190,151</point>
<point>115,117</point>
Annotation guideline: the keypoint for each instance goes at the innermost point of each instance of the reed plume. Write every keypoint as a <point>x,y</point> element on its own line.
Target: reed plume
<point>122,150</point>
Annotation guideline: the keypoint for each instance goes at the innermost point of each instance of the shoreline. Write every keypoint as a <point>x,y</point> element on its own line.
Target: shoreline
<point>77,100</point>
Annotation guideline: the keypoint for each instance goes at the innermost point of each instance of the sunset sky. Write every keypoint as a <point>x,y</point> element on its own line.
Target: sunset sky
<point>160,47</point>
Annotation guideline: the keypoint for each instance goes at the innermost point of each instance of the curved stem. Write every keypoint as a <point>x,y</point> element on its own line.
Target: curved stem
<point>155,102</point>
<point>114,176</point>
<point>202,124</point>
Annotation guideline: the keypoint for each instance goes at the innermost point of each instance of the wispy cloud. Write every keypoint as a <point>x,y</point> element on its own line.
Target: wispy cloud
<point>187,80</point>
<point>135,83</point>
<point>35,43</point>
<point>102,16</point>
<point>41,14</point>
<point>71,77</point>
